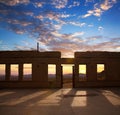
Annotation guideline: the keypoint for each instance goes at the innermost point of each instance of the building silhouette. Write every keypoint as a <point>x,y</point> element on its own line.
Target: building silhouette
<point>100,69</point>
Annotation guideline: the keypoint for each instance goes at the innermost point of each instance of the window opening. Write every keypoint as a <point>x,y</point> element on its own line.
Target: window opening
<point>2,72</point>
<point>14,72</point>
<point>27,72</point>
<point>100,72</point>
<point>51,72</point>
<point>82,72</point>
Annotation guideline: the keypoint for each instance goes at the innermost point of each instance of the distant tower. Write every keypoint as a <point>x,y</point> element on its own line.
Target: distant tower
<point>38,46</point>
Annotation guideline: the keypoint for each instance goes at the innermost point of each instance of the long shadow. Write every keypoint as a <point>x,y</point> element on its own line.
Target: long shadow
<point>89,102</point>
<point>97,104</point>
<point>17,93</point>
<point>115,90</point>
<point>61,101</point>
<point>24,97</point>
<point>35,100</point>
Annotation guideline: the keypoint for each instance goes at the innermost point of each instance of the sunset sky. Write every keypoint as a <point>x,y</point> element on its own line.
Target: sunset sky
<point>60,25</point>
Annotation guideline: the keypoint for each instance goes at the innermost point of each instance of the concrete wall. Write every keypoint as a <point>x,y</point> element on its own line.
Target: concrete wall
<point>111,60</point>
<point>40,61</point>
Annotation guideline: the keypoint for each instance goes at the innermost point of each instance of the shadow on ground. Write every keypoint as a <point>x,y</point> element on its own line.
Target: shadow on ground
<point>84,101</point>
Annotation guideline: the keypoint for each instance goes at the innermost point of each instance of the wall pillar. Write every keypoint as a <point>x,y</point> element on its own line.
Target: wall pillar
<point>7,77</point>
<point>76,75</point>
<point>40,72</point>
<point>91,72</point>
<point>73,76</point>
<point>58,72</point>
<point>20,72</point>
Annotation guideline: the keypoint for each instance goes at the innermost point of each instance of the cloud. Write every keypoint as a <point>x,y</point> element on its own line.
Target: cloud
<point>69,43</point>
<point>112,44</point>
<point>19,31</point>
<point>66,46</point>
<point>75,3</point>
<point>20,22</point>
<point>89,1</point>
<point>59,4</point>
<point>14,2</point>
<point>25,45</point>
<point>100,8</point>
<point>91,38</point>
<point>105,46</point>
<point>24,21</point>
<point>77,23</point>
<point>64,15</point>
<point>89,13</point>
<point>13,12</point>
<point>4,46</point>
<point>40,17</point>
<point>4,12</point>
<point>96,12</point>
<point>77,34</point>
<point>16,29</point>
<point>71,37</point>
<point>90,25</point>
<point>20,48</point>
<point>100,28</point>
<point>38,4</point>
<point>52,16</point>
<point>44,26</point>
<point>58,26</point>
<point>39,26</point>
<point>28,13</point>
<point>66,43</point>
<point>107,4</point>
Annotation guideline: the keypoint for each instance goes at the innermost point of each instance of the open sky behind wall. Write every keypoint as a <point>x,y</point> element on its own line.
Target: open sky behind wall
<point>60,25</point>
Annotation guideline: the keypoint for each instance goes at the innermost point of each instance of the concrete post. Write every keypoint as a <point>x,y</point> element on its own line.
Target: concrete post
<point>7,77</point>
<point>91,72</point>
<point>20,72</point>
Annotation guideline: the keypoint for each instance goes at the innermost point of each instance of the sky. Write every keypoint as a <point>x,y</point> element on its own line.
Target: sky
<point>60,25</point>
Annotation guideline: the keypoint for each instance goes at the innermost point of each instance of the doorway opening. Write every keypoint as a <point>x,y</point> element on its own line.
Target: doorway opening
<point>67,75</point>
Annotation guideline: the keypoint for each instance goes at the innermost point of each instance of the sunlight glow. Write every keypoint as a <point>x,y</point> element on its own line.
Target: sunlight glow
<point>14,69</point>
<point>51,100</point>
<point>51,72</point>
<point>2,69</point>
<point>23,98</point>
<point>27,71</point>
<point>101,72</point>
<point>67,68</point>
<point>6,93</point>
<point>51,69</point>
<point>100,68</point>
<point>14,72</point>
<point>113,98</point>
<point>66,25</point>
<point>82,72</point>
<point>80,100</point>
<point>82,69</point>
<point>27,68</point>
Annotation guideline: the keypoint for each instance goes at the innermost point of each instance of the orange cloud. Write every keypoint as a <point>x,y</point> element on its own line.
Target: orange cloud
<point>100,8</point>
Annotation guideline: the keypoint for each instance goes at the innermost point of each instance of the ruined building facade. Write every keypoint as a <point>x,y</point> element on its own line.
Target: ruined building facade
<point>91,69</point>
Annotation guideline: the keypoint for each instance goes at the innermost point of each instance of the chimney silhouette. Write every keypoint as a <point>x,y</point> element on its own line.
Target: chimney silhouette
<point>38,46</point>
